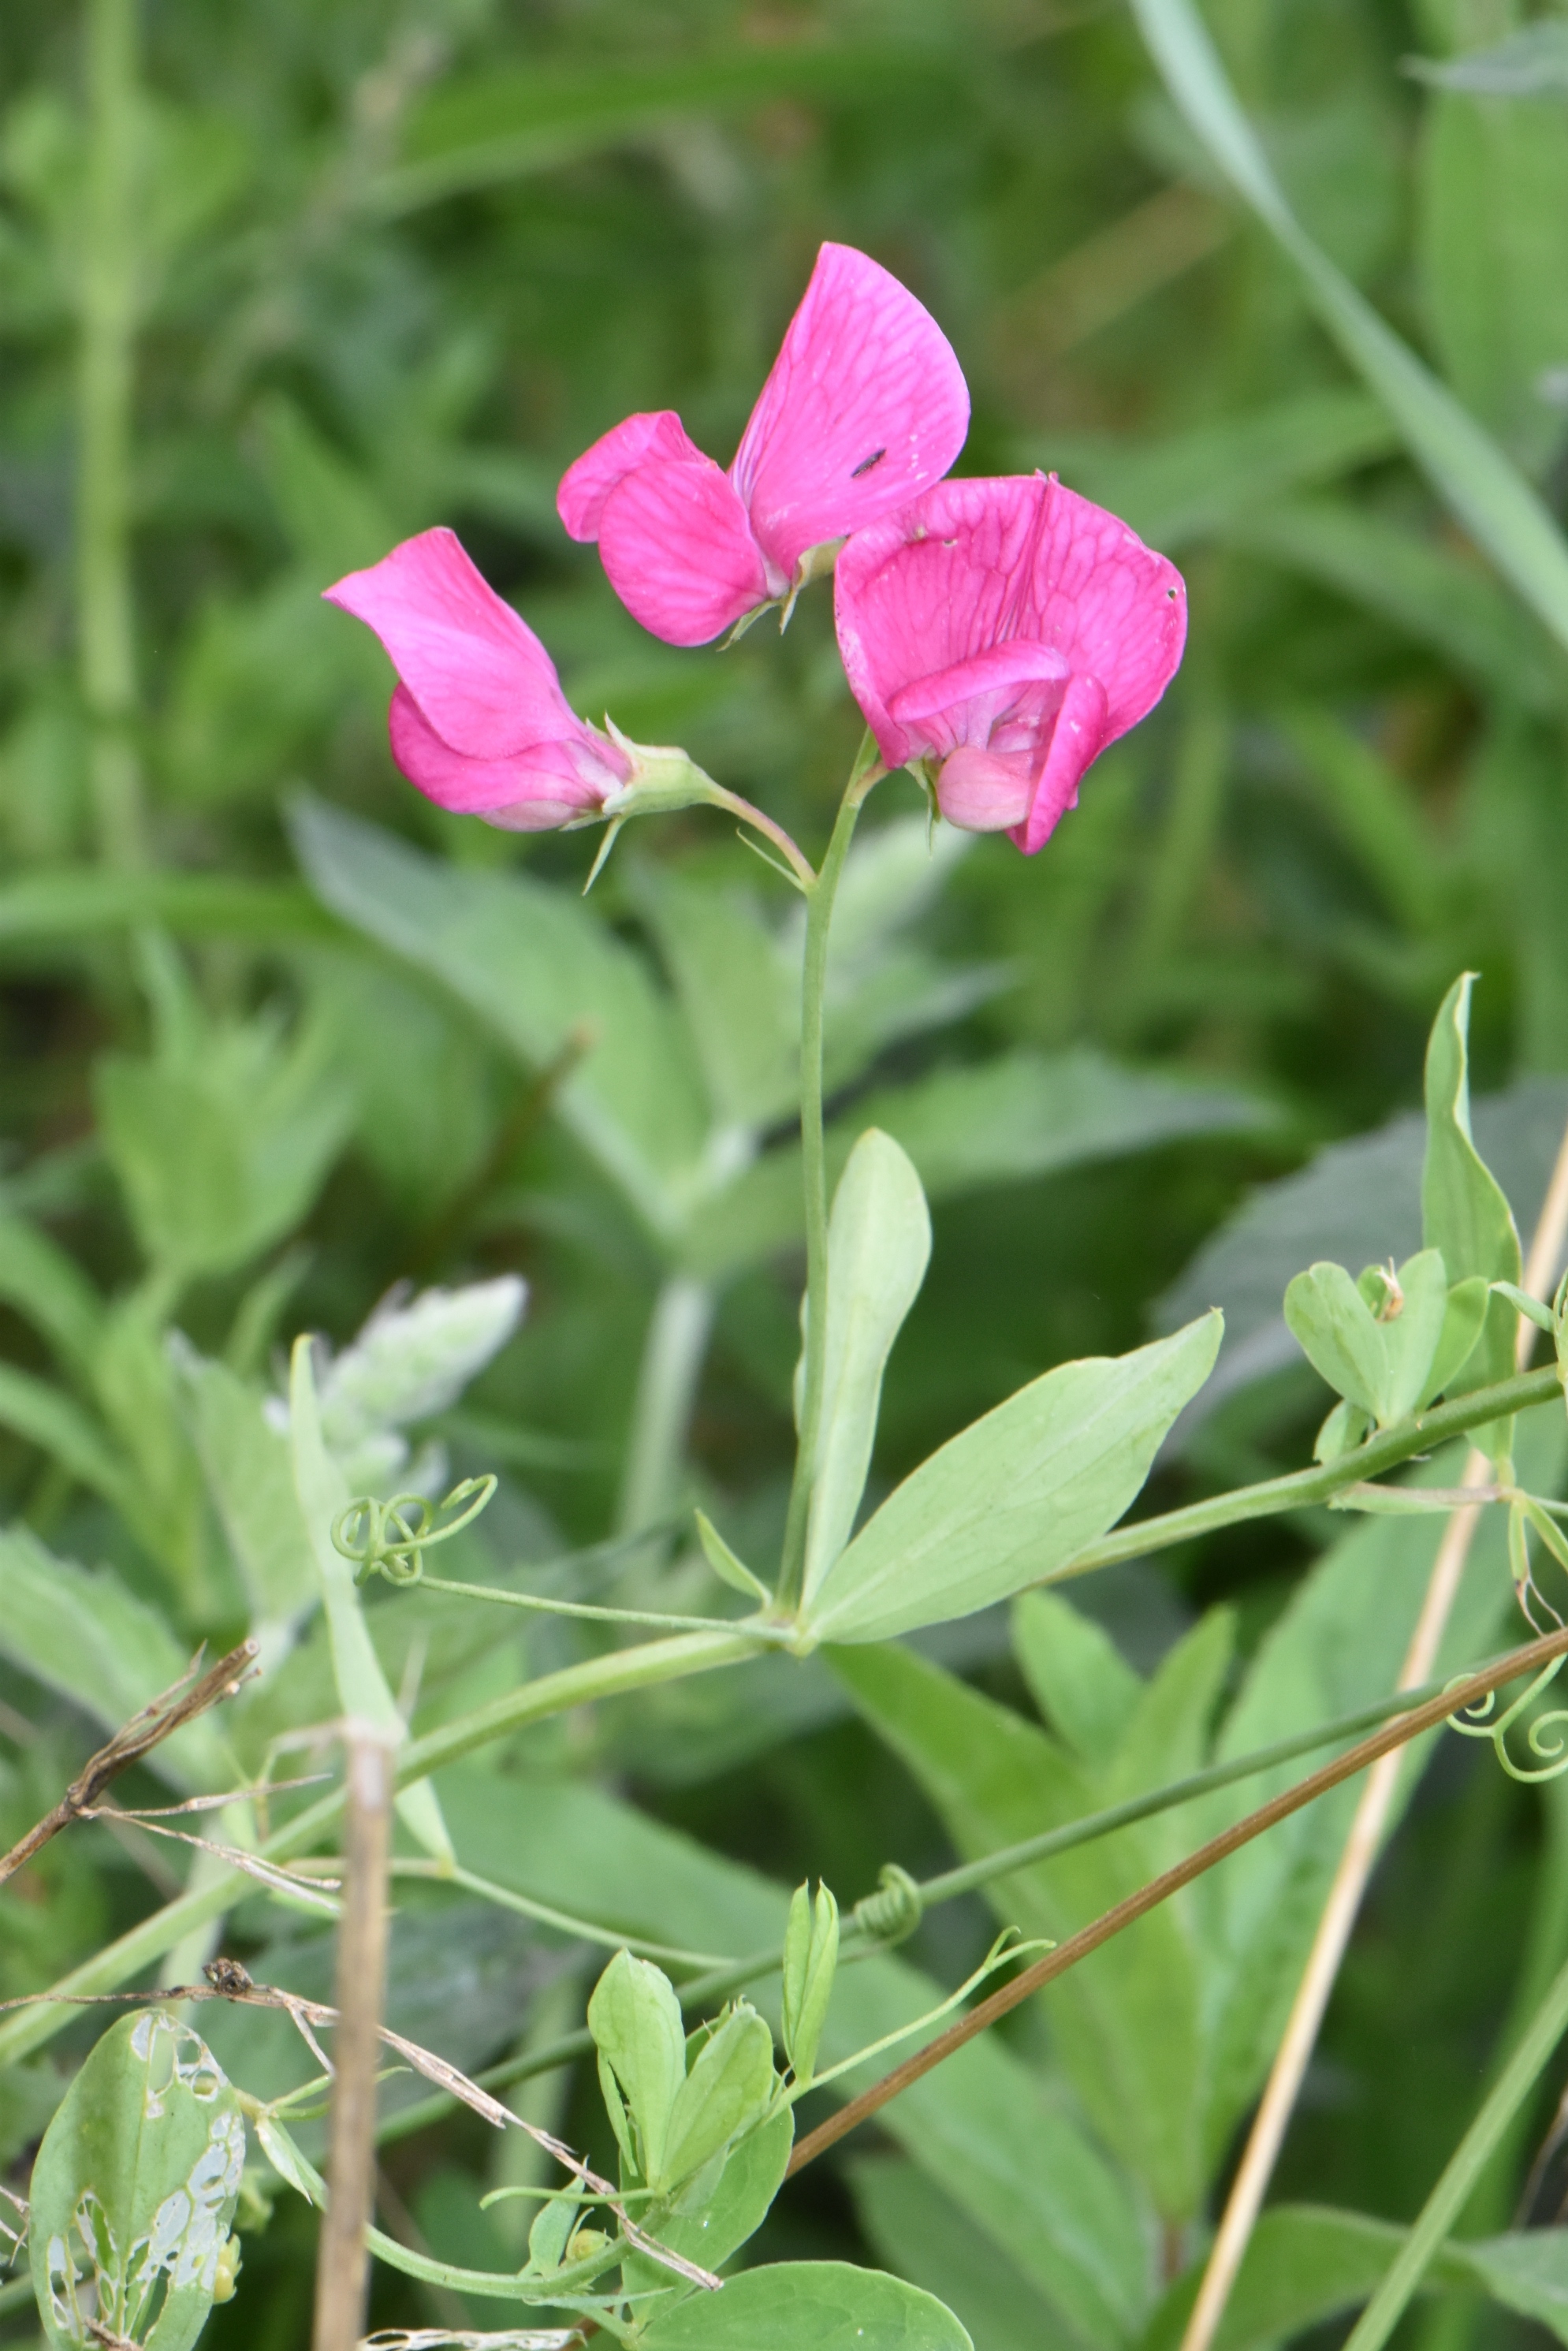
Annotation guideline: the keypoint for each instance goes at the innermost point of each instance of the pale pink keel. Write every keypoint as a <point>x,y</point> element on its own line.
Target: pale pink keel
<point>1005,631</point>
<point>478,721</point>
<point>865,406</point>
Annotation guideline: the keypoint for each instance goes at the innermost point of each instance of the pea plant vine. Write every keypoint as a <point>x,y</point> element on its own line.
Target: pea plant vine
<point>998,635</point>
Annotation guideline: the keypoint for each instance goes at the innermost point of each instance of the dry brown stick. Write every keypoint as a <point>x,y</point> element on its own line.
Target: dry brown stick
<point>178,1705</point>
<point>1336,1922</point>
<point>1462,1695</point>
<point>343,2255</point>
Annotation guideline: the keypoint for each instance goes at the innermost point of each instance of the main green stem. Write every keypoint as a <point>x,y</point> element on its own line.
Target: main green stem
<point>105,375</point>
<point>1464,2167</point>
<point>866,771</point>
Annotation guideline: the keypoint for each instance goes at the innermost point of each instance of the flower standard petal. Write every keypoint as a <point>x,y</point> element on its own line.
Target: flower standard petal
<point>678,550</point>
<point>866,405</point>
<point>480,676</point>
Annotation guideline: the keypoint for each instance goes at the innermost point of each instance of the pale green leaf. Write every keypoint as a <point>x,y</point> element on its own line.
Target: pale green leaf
<point>250,1475</point>
<point>46,1285</point>
<point>879,1244</point>
<point>1010,1501</point>
<point>809,2306</point>
<point>1464,1211</point>
<point>1075,1673</point>
<point>45,1416</point>
<point>1471,473</point>
<point>134,2188</point>
<point>546,976</point>
<point>635,2021</point>
<point>1332,1325</point>
<point>727,2091</point>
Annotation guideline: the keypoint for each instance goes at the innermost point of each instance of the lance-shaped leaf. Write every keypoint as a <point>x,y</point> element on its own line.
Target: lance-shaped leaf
<point>1333,1324</point>
<point>134,2189</point>
<point>1464,1211</point>
<point>727,2089</point>
<point>811,2307</point>
<point>879,1244</point>
<point>1010,1501</point>
<point>363,1687</point>
<point>810,1961</point>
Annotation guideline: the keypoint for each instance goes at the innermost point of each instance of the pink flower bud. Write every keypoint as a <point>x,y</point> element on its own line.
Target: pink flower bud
<point>866,405</point>
<point>1003,632</point>
<point>478,721</point>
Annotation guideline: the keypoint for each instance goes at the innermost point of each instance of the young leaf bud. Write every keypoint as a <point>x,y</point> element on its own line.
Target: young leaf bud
<point>810,1959</point>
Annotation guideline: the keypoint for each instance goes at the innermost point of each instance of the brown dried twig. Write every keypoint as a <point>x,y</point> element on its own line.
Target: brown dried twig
<point>178,1705</point>
<point>1456,1700</point>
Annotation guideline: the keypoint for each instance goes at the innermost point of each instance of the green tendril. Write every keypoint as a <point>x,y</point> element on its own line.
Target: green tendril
<point>1476,1723</point>
<point>893,1913</point>
<point>392,1538</point>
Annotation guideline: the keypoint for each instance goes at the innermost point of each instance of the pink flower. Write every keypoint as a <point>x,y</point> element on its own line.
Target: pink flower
<point>866,404</point>
<point>478,720</point>
<point>1005,631</point>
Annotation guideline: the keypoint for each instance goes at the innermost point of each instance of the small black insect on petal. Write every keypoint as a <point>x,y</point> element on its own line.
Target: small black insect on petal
<point>867,463</point>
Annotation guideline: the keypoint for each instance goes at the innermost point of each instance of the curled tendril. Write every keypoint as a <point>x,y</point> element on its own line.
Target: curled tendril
<point>1545,1736</point>
<point>392,1538</point>
<point>893,1913</point>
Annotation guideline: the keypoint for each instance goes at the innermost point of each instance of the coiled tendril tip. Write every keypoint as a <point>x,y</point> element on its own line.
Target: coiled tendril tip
<point>391,1538</point>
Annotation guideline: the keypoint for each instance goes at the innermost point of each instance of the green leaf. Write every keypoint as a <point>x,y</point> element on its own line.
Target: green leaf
<point>250,1474</point>
<point>1010,1501</point>
<point>1494,179</point>
<point>727,1564</point>
<point>1009,1120</point>
<point>737,988</point>
<point>134,2189</point>
<point>635,2021</point>
<point>809,2306</point>
<point>879,1245</point>
<point>88,901</point>
<point>1489,499</point>
<point>920,2231</point>
<point>1464,1211</point>
<point>363,1691</point>
<point>752,2176</point>
<point>79,1632</point>
<point>546,976</point>
<point>810,1962</point>
<point>1464,1314</point>
<point>1332,1324</point>
<point>1428,592</point>
<point>1303,2263</point>
<point>1012,2158</point>
<point>1530,63</point>
<point>45,1416</point>
<point>1526,2271</point>
<point>1127,2021</point>
<point>727,2089</point>
<point>1076,1675</point>
<point>498,125</point>
<point>42,1283</point>
<point>1192,484</point>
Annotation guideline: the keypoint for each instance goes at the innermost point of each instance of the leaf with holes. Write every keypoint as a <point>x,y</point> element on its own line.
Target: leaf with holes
<point>134,2188</point>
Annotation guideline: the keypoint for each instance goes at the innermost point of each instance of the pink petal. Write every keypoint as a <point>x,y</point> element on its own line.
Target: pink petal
<point>1082,731</point>
<point>1115,608</point>
<point>478,672</point>
<point>531,792</point>
<point>866,405</point>
<point>678,550</point>
<point>981,793</point>
<point>585,485</point>
<point>997,671</point>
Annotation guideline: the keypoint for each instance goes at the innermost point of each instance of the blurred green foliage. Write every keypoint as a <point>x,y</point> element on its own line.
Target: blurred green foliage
<point>284,281</point>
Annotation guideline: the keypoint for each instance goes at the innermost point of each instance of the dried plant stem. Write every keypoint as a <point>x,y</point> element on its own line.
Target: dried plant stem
<point>1355,1864</point>
<point>1461,1695</point>
<point>178,1705</point>
<point>342,2261</point>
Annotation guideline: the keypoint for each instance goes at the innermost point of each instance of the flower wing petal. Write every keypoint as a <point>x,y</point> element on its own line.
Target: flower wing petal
<point>585,485</point>
<point>481,677</point>
<point>867,405</point>
<point>678,550</point>
<point>1115,608</point>
<point>531,792</point>
<point>1082,731</point>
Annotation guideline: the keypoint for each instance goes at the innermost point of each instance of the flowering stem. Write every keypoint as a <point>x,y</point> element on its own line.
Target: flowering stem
<point>867,771</point>
<point>799,865</point>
